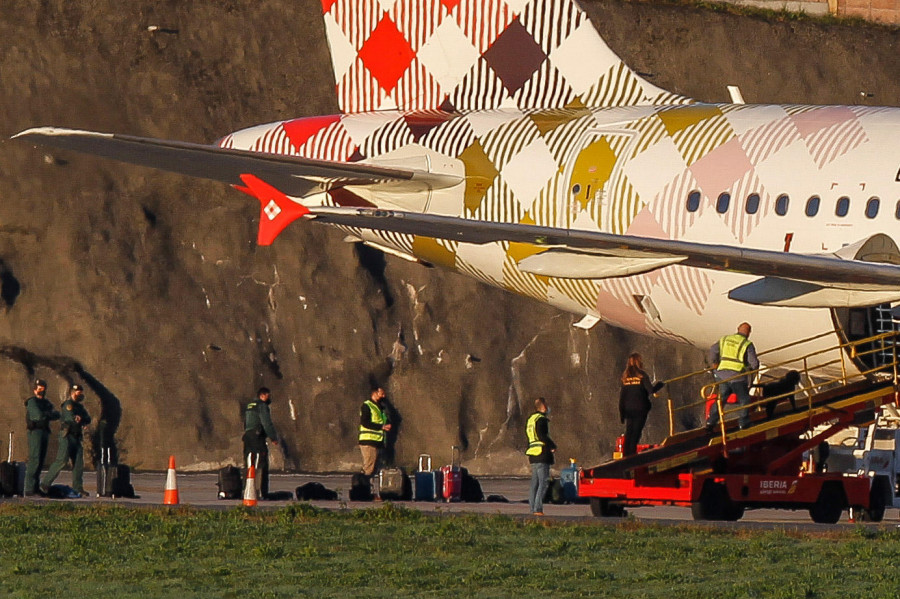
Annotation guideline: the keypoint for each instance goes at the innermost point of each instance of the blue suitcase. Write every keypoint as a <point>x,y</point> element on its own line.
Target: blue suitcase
<point>569,478</point>
<point>427,484</point>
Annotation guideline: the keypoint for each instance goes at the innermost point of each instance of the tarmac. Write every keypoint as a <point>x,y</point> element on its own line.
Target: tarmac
<point>200,490</point>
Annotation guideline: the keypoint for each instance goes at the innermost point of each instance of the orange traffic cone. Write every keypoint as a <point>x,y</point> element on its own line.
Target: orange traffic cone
<point>170,496</point>
<point>250,487</point>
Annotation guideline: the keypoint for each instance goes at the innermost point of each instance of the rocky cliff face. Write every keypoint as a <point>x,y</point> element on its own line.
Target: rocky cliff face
<point>149,289</point>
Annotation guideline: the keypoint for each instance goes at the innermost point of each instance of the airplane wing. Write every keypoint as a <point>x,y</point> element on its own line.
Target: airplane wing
<point>787,279</point>
<point>294,176</point>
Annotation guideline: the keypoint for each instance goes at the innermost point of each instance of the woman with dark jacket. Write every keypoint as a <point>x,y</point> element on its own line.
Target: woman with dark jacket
<point>634,401</point>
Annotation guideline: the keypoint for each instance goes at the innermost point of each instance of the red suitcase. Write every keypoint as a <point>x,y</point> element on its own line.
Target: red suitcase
<point>452,484</point>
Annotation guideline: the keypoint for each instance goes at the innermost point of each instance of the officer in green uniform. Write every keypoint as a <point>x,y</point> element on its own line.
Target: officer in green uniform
<point>373,423</point>
<point>75,419</point>
<point>257,428</point>
<point>540,454</point>
<point>732,355</point>
<point>38,414</point>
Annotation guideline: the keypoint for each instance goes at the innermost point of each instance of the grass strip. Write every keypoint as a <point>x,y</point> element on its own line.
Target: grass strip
<point>301,551</point>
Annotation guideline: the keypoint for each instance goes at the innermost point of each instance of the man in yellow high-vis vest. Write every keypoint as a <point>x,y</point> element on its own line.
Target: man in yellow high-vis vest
<point>732,355</point>
<point>373,423</point>
<point>540,454</point>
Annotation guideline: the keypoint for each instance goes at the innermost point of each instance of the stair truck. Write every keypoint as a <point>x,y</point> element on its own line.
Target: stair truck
<point>722,473</point>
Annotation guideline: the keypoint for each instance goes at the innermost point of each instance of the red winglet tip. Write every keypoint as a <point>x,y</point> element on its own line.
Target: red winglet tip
<point>276,212</point>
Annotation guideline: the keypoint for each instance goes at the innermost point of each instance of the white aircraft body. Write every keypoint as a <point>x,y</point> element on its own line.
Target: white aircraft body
<point>504,140</point>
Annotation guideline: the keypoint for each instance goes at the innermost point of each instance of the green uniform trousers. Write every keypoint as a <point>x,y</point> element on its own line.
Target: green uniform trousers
<point>37,453</point>
<point>70,449</point>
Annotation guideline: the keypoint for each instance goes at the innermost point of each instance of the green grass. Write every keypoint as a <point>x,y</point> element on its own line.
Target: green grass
<point>109,551</point>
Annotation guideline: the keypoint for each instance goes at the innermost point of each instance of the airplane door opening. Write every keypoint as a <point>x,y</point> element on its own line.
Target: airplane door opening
<point>853,324</point>
<point>593,175</point>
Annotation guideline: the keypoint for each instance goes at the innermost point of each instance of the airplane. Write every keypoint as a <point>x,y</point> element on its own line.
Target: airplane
<point>504,140</point>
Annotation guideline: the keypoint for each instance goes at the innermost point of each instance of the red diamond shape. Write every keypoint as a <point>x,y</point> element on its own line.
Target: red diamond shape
<point>300,130</point>
<point>450,4</point>
<point>387,54</point>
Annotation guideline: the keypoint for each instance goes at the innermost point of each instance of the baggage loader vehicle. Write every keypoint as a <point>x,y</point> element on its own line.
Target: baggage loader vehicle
<point>723,472</point>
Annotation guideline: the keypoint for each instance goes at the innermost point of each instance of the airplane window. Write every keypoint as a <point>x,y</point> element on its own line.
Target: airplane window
<point>781,204</point>
<point>812,206</point>
<point>842,207</point>
<point>872,207</point>
<point>897,211</point>
<point>752,206</point>
<point>722,202</point>
<point>693,201</point>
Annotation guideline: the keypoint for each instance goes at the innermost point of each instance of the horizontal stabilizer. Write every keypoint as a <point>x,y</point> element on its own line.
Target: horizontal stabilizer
<point>828,271</point>
<point>773,291</point>
<point>564,264</point>
<point>294,176</point>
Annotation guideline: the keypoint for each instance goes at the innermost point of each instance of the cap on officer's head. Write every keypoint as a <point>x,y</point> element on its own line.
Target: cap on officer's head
<point>40,383</point>
<point>77,388</point>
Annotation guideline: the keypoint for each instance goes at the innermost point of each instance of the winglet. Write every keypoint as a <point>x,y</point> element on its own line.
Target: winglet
<point>276,210</point>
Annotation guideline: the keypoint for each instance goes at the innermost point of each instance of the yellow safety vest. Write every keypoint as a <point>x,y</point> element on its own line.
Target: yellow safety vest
<point>535,445</point>
<point>732,349</point>
<point>378,417</point>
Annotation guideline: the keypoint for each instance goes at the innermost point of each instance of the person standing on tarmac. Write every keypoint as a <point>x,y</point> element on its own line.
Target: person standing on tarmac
<point>38,414</point>
<point>732,355</point>
<point>257,428</point>
<point>634,402</point>
<point>540,454</point>
<point>75,419</point>
<point>373,424</point>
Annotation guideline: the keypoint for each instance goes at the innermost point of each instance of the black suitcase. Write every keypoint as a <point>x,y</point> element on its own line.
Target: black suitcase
<point>394,485</point>
<point>471,488</point>
<point>361,488</point>
<point>229,483</point>
<point>12,474</point>
<point>113,480</point>
<point>9,479</point>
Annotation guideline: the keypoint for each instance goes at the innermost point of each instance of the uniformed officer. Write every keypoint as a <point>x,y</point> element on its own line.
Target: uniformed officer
<point>732,355</point>
<point>373,423</point>
<point>38,414</point>
<point>257,428</point>
<point>75,419</point>
<point>540,454</point>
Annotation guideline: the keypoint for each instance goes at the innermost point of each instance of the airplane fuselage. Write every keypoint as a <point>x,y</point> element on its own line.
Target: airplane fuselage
<point>802,179</point>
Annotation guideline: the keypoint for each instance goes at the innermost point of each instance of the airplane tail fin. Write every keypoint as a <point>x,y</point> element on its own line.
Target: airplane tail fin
<point>476,54</point>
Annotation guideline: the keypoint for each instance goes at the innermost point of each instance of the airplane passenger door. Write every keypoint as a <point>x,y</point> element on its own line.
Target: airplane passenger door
<point>593,172</point>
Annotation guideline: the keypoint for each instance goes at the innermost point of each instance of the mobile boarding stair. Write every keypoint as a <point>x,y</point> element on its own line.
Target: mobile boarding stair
<point>721,473</point>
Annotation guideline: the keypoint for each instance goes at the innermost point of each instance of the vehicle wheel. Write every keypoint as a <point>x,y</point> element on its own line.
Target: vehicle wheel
<point>712,504</point>
<point>829,504</point>
<point>733,511</point>
<point>603,508</point>
<point>878,498</point>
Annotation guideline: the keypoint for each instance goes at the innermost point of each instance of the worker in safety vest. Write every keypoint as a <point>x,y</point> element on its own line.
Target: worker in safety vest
<point>373,423</point>
<point>732,355</point>
<point>540,454</point>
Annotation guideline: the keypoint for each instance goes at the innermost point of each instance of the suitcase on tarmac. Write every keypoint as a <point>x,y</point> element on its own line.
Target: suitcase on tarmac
<point>9,478</point>
<point>394,485</point>
<point>568,476</point>
<point>451,488</point>
<point>229,482</point>
<point>428,485</point>
<point>470,491</point>
<point>12,474</point>
<point>113,480</point>
<point>360,488</point>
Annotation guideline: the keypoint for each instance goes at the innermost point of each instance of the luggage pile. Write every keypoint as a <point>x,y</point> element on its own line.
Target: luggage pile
<point>449,483</point>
